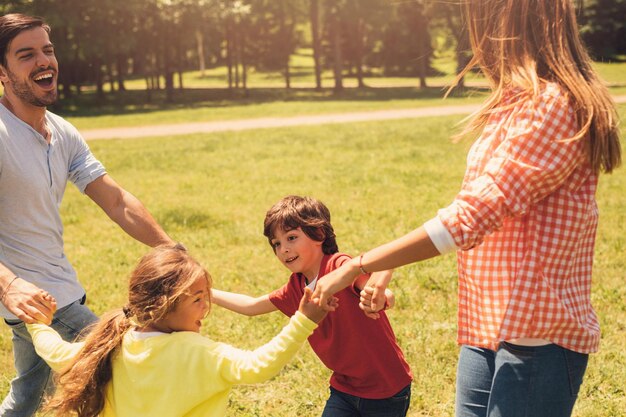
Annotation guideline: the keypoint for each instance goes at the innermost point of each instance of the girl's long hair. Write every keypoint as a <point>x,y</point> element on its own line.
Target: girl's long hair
<point>524,43</point>
<point>156,285</point>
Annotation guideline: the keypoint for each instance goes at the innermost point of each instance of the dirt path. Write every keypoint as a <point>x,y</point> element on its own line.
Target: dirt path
<point>272,122</point>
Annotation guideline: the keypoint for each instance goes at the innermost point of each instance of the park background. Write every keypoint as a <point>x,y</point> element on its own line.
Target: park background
<point>149,63</point>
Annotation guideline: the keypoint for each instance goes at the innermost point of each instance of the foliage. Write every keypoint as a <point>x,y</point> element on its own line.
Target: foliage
<point>102,42</point>
<point>604,27</point>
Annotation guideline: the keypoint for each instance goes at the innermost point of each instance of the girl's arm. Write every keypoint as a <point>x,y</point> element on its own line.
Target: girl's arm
<point>249,367</point>
<point>49,345</point>
<point>243,304</point>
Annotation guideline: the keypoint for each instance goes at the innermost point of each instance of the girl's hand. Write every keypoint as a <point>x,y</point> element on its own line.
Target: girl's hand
<point>312,310</point>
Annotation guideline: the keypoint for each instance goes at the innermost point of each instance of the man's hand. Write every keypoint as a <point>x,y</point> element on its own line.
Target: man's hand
<point>29,303</point>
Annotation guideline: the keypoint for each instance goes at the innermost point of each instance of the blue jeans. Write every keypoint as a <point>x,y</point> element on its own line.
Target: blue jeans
<point>518,381</point>
<point>33,375</point>
<point>340,404</point>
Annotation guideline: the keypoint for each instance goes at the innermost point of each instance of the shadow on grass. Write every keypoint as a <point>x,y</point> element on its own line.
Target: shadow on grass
<point>138,101</point>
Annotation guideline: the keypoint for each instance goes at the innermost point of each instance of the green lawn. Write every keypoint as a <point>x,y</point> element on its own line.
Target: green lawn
<point>380,180</point>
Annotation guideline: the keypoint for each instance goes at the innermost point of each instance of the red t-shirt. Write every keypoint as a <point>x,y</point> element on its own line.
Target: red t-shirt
<point>362,353</point>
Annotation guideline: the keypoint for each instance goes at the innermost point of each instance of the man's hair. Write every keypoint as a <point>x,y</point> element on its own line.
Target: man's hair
<point>12,25</point>
<point>307,213</point>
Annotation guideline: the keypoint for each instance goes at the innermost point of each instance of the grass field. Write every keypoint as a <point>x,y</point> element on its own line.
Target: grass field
<point>380,180</point>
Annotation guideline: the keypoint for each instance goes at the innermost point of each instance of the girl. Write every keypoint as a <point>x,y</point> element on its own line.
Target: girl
<point>525,220</point>
<point>148,358</point>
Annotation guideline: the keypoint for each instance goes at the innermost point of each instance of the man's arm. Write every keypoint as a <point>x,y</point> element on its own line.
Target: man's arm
<point>243,304</point>
<point>127,211</point>
<point>27,302</point>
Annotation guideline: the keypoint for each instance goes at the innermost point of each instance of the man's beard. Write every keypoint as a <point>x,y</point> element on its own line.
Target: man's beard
<point>25,92</point>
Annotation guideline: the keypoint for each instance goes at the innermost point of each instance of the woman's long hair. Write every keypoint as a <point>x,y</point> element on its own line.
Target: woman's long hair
<point>156,285</point>
<point>524,43</point>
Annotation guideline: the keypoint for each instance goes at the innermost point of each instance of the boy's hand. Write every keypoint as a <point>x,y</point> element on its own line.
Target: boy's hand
<point>366,303</point>
<point>312,310</point>
<point>371,308</point>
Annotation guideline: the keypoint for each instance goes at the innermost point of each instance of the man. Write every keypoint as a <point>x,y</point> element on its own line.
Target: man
<point>39,153</point>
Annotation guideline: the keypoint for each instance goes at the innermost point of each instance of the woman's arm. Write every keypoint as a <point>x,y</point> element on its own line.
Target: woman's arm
<point>243,304</point>
<point>412,247</point>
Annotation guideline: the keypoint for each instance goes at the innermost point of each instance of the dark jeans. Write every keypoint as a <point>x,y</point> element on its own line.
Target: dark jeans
<point>340,404</point>
<point>518,381</point>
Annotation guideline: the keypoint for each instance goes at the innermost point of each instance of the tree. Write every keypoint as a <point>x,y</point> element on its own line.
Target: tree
<point>314,17</point>
<point>450,18</point>
<point>603,27</point>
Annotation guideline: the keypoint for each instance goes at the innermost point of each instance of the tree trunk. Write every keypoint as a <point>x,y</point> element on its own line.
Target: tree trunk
<point>315,34</point>
<point>462,45</point>
<point>121,70</point>
<point>420,23</point>
<point>285,30</point>
<point>168,71</point>
<point>99,80</point>
<point>237,48</point>
<point>200,50</point>
<point>110,75</point>
<point>335,31</point>
<point>360,47</point>
<point>229,53</point>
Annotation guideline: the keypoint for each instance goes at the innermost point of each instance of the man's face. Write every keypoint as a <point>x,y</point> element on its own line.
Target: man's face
<point>31,69</point>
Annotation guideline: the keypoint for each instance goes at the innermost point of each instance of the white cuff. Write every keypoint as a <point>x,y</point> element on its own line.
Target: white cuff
<point>442,239</point>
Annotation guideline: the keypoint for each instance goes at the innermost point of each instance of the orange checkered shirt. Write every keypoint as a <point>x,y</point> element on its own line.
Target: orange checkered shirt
<point>525,222</point>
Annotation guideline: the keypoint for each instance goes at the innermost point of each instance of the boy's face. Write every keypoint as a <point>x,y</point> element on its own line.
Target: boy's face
<point>298,252</point>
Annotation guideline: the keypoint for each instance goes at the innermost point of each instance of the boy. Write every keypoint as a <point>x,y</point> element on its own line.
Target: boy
<point>300,233</point>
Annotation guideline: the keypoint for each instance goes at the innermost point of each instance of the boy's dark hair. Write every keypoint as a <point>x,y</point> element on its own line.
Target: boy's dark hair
<point>11,25</point>
<point>307,213</point>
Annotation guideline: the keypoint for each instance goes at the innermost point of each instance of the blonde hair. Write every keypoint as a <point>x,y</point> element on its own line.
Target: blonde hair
<point>155,288</point>
<point>524,43</point>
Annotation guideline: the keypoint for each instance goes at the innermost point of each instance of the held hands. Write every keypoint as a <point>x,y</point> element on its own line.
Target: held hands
<point>371,301</point>
<point>312,310</point>
<point>375,296</point>
<point>334,282</point>
<point>29,303</point>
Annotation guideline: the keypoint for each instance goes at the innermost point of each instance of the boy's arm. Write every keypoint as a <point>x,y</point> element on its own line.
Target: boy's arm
<point>243,304</point>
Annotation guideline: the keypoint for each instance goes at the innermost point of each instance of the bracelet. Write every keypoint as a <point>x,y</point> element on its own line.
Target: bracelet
<point>6,290</point>
<point>363,271</point>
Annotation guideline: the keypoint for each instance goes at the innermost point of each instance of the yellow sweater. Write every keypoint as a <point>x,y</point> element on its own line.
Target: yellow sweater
<point>181,373</point>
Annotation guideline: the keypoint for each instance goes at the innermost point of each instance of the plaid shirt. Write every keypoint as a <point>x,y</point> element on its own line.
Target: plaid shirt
<point>525,222</point>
